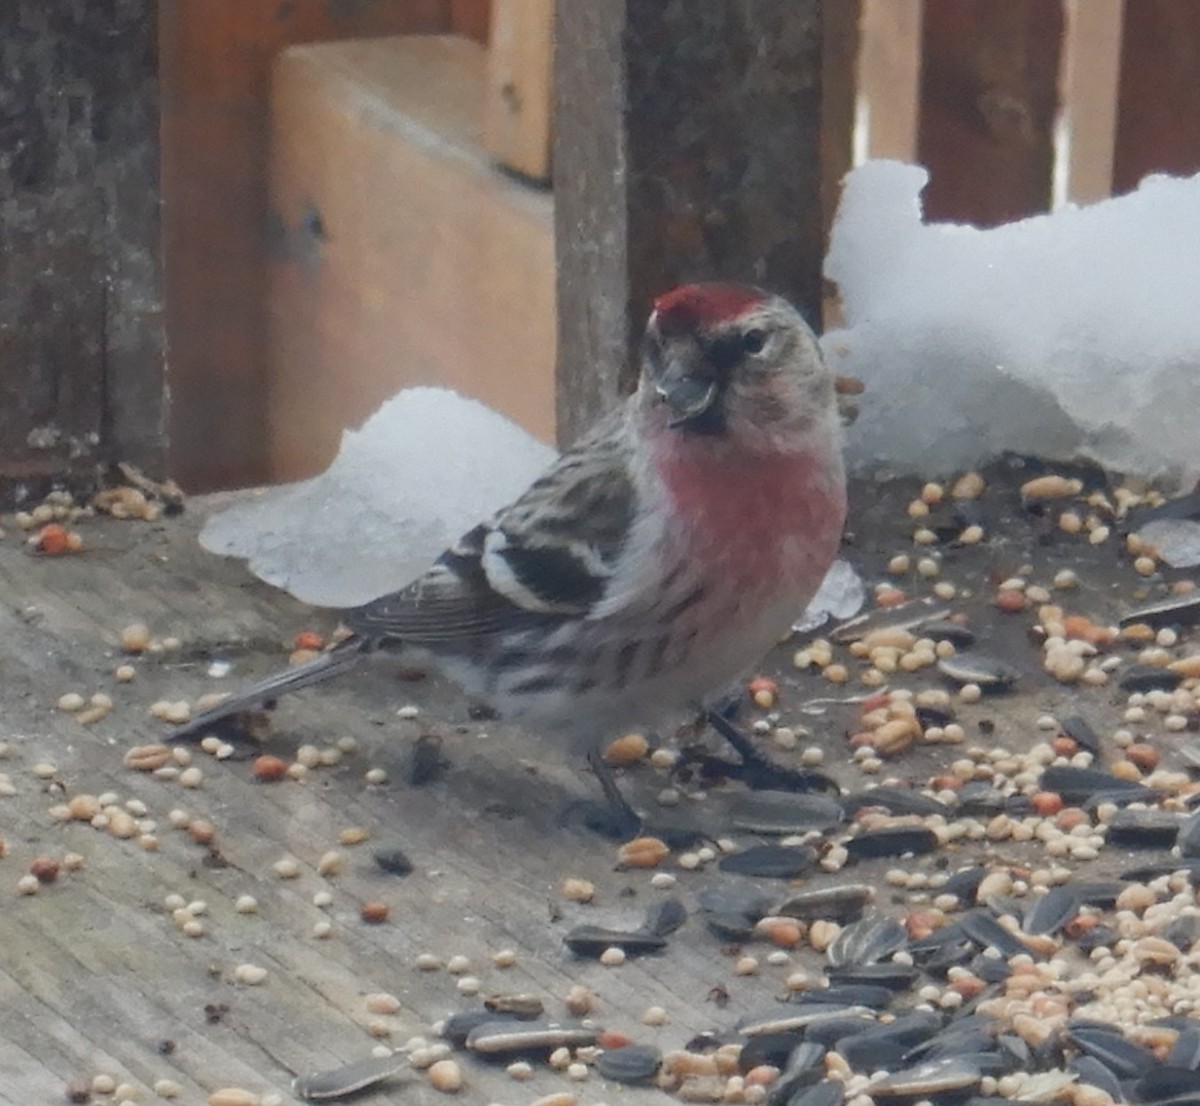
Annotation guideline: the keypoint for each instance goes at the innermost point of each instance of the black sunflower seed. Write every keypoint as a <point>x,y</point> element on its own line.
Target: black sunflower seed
<point>1180,610</point>
<point>1177,1086</point>
<point>1052,911</point>
<point>393,861</point>
<point>852,994</point>
<point>895,800</point>
<point>1123,1058</point>
<point>592,940</point>
<point>1076,785</point>
<point>985,931</point>
<point>770,861</point>
<point>866,942</point>
<point>774,1049</point>
<point>828,1092</point>
<point>942,629</point>
<point>896,977</point>
<point>1185,1052</point>
<point>1092,1071</point>
<point>458,1027</point>
<point>892,841</point>
<point>841,903</point>
<point>800,1015</point>
<point>1143,829</point>
<point>630,1064</point>
<point>1189,836</point>
<point>832,1030</point>
<point>1080,730</point>
<point>784,812</point>
<point>349,1079</point>
<point>521,1007</point>
<point>976,668</point>
<point>507,1038</point>
<point>664,917</point>
<point>1149,677</point>
<point>964,883</point>
<point>933,1080</point>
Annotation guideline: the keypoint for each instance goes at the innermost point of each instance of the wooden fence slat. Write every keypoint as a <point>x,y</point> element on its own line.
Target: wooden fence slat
<point>686,147</point>
<point>989,91</point>
<point>1158,127</point>
<point>1090,77</point>
<point>81,338</point>
<point>889,73</point>
<point>517,115</point>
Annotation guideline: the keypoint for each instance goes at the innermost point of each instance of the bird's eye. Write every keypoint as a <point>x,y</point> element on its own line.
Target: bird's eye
<point>753,341</point>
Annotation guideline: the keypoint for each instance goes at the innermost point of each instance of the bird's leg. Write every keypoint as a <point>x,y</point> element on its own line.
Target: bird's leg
<point>758,771</point>
<point>613,818</point>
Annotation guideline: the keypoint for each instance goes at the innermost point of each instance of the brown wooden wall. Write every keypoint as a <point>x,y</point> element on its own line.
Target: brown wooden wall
<point>216,58</point>
<point>80,318</point>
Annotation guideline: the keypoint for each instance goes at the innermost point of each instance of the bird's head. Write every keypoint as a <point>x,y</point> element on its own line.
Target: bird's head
<point>733,360</point>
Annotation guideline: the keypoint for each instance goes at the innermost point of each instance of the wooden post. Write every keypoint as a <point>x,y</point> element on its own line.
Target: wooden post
<point>687,147</point>
<point>1091,71</point>
<point>989,93</point>
<point>889,78</point>
<point>81,340</point>
<point>516,122</point>
<point>1158,124</point>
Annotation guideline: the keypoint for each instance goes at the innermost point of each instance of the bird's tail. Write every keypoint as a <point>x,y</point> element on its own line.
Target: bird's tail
<point>338,660</point>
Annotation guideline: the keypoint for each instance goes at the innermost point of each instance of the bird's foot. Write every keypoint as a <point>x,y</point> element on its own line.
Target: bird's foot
<point>612,818</point>
<point>755,770</point>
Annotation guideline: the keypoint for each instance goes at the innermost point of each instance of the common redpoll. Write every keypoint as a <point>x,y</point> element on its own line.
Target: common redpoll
<point>657,559</point>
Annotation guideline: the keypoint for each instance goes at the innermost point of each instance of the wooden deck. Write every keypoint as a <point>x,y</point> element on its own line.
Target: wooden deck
<point>96,977</point>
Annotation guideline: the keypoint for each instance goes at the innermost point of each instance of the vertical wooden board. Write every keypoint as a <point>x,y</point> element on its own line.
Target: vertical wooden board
<point>454,286</point>
<point>216,59</point>
<point>839,88</point>
<point>889,70</point>
<point>471,18</point>
<point>81,345</point>
<point>1158,128</point>
<point>988,99</point>
<point>1090,86</point>
<point>517,115</point>
<point>687,147</point>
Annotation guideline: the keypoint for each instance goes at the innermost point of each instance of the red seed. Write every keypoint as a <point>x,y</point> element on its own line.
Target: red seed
<point>1064,746</point>
<point>269,768</point>
<point>374,912</point>
<point>1046,803</point>
<point>309,639</point>
<point>1010,600</point>
<point>53,539</point>
<point>44,868</point>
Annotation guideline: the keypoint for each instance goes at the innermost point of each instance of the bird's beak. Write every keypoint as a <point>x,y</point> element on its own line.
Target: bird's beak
<point>688,396</point>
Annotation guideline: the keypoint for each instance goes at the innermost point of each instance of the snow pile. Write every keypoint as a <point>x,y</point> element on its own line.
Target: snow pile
<point>420,472</point>
<point>1076,333</point>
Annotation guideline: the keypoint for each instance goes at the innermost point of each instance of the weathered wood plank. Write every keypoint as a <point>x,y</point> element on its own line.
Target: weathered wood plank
<point>687,141</point>
<point>81,339</point>
<point>96,975</point>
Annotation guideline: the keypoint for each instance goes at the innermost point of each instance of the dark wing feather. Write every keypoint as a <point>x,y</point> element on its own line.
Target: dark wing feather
<point>544,559</point>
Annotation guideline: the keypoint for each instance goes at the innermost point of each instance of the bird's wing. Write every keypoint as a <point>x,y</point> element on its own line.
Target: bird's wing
<point>547,557</point>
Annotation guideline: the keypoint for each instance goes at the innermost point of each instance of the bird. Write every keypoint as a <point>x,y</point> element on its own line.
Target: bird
<point>656,561</point>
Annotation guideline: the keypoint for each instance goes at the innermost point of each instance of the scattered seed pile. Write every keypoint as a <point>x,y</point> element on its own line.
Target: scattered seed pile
<point>973,879</point>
